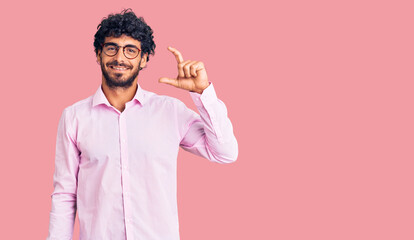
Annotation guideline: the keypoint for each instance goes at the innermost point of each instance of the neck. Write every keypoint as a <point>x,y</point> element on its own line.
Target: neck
<point>118,96</point>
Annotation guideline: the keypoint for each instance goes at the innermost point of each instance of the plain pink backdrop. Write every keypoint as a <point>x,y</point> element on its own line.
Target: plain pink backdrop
<point>320,94</point>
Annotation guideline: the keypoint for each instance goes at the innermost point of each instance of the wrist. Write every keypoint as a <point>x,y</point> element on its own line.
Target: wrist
<point>201,89</point>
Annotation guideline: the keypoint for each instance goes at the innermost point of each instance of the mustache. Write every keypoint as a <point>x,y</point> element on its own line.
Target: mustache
<point>116,64</point>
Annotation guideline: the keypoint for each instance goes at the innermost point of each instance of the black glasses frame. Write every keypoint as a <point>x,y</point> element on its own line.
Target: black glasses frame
<point>117,49</point>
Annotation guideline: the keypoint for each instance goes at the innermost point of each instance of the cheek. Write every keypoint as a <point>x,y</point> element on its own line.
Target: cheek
<point>134,65</point>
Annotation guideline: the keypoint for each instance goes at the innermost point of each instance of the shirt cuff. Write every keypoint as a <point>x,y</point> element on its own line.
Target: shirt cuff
<point>208,96</point>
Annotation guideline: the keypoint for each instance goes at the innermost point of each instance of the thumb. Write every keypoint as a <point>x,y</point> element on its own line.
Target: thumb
<point>170,81</point>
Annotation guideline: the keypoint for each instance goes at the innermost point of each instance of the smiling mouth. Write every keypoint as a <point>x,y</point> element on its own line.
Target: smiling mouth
<point>119,68</point>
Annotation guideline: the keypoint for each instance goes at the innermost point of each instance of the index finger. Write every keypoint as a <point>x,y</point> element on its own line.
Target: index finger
<point>177,54</point>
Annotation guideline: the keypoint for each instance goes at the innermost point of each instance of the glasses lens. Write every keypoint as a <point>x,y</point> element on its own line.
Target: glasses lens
<point>110,50</point>
<point>131,52</point>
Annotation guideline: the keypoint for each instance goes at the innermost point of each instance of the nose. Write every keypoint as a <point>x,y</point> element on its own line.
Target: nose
<point>120,57</point>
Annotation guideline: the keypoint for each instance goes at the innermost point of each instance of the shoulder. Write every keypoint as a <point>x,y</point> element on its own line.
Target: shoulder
<point>154,99</point>
<point>78,107</point>
<point>170,106</point>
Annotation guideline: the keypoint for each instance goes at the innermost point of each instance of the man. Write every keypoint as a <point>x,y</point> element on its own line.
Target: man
<point>116,150</point>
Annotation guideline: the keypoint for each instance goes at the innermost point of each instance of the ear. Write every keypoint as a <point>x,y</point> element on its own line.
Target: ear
<point>98,57</point>
<point>144,60</point>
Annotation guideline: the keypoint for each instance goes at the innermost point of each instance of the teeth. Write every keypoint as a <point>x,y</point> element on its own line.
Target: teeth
<point>118,68</point>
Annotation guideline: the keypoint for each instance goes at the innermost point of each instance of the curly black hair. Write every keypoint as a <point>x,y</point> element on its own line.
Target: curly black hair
<point>129,24</point>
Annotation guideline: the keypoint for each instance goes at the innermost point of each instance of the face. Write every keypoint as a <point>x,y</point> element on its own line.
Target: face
<point>119,71</point>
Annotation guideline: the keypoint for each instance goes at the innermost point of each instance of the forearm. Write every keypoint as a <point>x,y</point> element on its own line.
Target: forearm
<point>218,139</point>
<point>63,211</point>
<point>62,216</point>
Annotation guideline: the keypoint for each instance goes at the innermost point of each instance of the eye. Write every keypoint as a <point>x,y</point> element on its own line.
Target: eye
<point>131,50</point>
<point>110,48</point>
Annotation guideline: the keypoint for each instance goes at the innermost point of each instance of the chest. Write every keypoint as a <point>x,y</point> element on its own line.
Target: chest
<point>106,137</point>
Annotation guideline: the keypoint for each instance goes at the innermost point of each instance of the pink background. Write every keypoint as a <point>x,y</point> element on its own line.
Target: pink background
<point>320,94</point>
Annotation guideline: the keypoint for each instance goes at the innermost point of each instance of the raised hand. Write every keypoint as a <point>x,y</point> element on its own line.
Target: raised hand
<point>192,75</point>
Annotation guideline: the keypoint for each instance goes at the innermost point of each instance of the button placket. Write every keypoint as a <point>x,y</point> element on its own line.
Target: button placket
<point>124,171</point>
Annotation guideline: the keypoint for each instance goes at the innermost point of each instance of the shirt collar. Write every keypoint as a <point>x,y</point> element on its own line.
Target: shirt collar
<point>100,98</point>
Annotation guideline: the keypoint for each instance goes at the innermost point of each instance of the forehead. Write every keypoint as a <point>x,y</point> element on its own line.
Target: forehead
<point>123,40</point>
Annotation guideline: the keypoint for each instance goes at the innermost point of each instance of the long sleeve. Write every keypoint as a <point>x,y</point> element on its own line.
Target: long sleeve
<point>63,210</point>
<point>210,134</point>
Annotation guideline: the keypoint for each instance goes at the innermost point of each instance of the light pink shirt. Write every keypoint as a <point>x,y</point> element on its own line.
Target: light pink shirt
<point>118,169</point>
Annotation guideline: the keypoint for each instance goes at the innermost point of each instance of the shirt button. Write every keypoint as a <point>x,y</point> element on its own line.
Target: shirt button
<point>123,141</point>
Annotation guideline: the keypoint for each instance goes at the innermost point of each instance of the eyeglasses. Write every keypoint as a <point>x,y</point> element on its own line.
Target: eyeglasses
<point>111,49</point>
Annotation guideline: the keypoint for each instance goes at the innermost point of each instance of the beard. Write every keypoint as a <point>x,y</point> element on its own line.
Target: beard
<point>115,82</point>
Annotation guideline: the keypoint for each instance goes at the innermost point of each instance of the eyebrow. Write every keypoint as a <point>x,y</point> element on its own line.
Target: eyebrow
<point>128,45</point>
